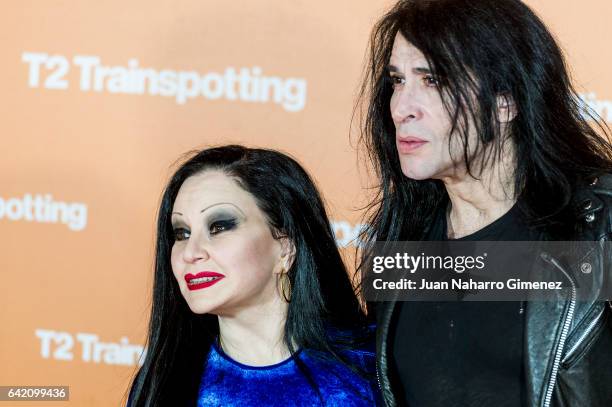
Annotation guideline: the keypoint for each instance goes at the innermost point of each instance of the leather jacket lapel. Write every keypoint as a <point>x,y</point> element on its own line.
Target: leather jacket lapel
<point>543,328</point>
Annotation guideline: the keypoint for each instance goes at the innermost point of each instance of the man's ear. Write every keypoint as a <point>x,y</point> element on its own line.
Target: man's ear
<point>506,108</point>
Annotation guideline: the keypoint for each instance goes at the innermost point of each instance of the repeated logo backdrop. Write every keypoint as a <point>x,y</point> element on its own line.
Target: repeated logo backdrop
<point>100,98</point>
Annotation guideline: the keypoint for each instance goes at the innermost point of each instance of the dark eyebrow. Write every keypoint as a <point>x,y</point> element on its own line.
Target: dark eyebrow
<point>392,68</point>
<point>420,70</point>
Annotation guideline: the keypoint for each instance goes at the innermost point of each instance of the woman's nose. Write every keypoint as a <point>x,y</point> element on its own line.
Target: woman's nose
<point>195,250</point>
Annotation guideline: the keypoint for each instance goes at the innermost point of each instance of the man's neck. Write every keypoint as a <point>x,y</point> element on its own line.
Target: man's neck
<point>476,203</point>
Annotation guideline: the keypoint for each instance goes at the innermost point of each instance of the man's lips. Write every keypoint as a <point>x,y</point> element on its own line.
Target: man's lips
<point>202,279</point>
<point>409,143</point>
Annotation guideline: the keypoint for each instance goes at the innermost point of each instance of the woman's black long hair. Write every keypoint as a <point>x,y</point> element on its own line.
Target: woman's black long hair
<point>486,48</point>
<point>322,296</point>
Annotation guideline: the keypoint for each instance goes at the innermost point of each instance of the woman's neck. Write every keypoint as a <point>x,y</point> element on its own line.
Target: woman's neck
<point>255,336</point>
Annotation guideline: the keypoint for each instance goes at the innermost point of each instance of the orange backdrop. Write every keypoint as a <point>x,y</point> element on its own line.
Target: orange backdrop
<point>100,97</point>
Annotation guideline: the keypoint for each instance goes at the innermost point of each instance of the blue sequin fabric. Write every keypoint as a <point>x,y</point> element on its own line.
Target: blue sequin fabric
<point>227,383</point>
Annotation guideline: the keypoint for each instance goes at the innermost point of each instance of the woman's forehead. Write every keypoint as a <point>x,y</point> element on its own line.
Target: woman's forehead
<point>211,188</point>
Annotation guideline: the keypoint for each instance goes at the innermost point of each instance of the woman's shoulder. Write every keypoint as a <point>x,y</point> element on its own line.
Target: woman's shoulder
<point>363,359</point>
<point>357,345</point>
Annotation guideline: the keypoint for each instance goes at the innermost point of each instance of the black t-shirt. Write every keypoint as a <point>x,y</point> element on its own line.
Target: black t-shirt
<point>463,353</point>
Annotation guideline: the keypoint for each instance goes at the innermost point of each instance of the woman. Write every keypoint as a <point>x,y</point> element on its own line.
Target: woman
<point>252,304</point>
<point>476,133</point>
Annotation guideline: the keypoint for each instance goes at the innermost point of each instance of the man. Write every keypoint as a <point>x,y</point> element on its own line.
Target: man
<point>476,133</point>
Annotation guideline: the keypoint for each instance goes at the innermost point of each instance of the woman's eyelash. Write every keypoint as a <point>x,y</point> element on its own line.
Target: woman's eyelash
<point>219,226</point>
<point>180,234</point>
<point>215,227</point>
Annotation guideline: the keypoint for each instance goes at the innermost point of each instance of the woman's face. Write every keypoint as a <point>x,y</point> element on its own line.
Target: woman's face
<point>224,256</point>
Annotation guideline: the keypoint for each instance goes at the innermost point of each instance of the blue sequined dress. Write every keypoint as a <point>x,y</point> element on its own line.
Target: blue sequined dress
<point>227,383</point>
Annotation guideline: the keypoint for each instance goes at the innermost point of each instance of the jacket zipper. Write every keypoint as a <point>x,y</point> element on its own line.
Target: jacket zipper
<point>378,377</point>
<point>586,333</point>
<point>566,326</point>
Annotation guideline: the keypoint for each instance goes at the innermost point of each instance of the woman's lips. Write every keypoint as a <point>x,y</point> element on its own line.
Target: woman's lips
<point>202,280</point>
<point>408,144</point>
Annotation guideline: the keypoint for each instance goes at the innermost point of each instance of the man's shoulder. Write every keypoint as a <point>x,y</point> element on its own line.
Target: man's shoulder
<point>593,205</point>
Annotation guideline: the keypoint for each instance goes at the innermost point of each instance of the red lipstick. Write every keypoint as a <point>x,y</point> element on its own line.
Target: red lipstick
<point>202,280</point>
<point>408,144</point>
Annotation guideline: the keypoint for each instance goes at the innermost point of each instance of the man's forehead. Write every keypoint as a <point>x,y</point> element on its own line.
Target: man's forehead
<point>402,50</point>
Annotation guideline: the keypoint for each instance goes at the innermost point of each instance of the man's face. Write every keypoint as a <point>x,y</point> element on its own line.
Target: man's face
<point>422,124</point>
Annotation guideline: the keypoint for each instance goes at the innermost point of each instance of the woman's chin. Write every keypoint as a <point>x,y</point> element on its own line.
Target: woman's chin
<point>201,307</point>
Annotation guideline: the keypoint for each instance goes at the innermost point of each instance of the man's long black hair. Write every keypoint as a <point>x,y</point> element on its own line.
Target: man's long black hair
<point>486,48</point>
<point>322,296</point>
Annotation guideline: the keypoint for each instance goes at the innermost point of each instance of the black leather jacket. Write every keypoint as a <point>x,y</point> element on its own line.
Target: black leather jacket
<point>568,343</point>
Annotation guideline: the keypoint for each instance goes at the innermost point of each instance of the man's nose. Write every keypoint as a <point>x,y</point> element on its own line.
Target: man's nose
<point>404,105</point>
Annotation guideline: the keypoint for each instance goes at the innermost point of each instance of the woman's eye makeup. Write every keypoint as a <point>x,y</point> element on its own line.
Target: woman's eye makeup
<point>215,222</point>
<point>222,225</point>
<point>180,233</point>
<point>215,227</point>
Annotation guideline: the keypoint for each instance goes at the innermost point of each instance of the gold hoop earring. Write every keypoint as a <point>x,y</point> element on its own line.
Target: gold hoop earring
<point>285,285</point>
